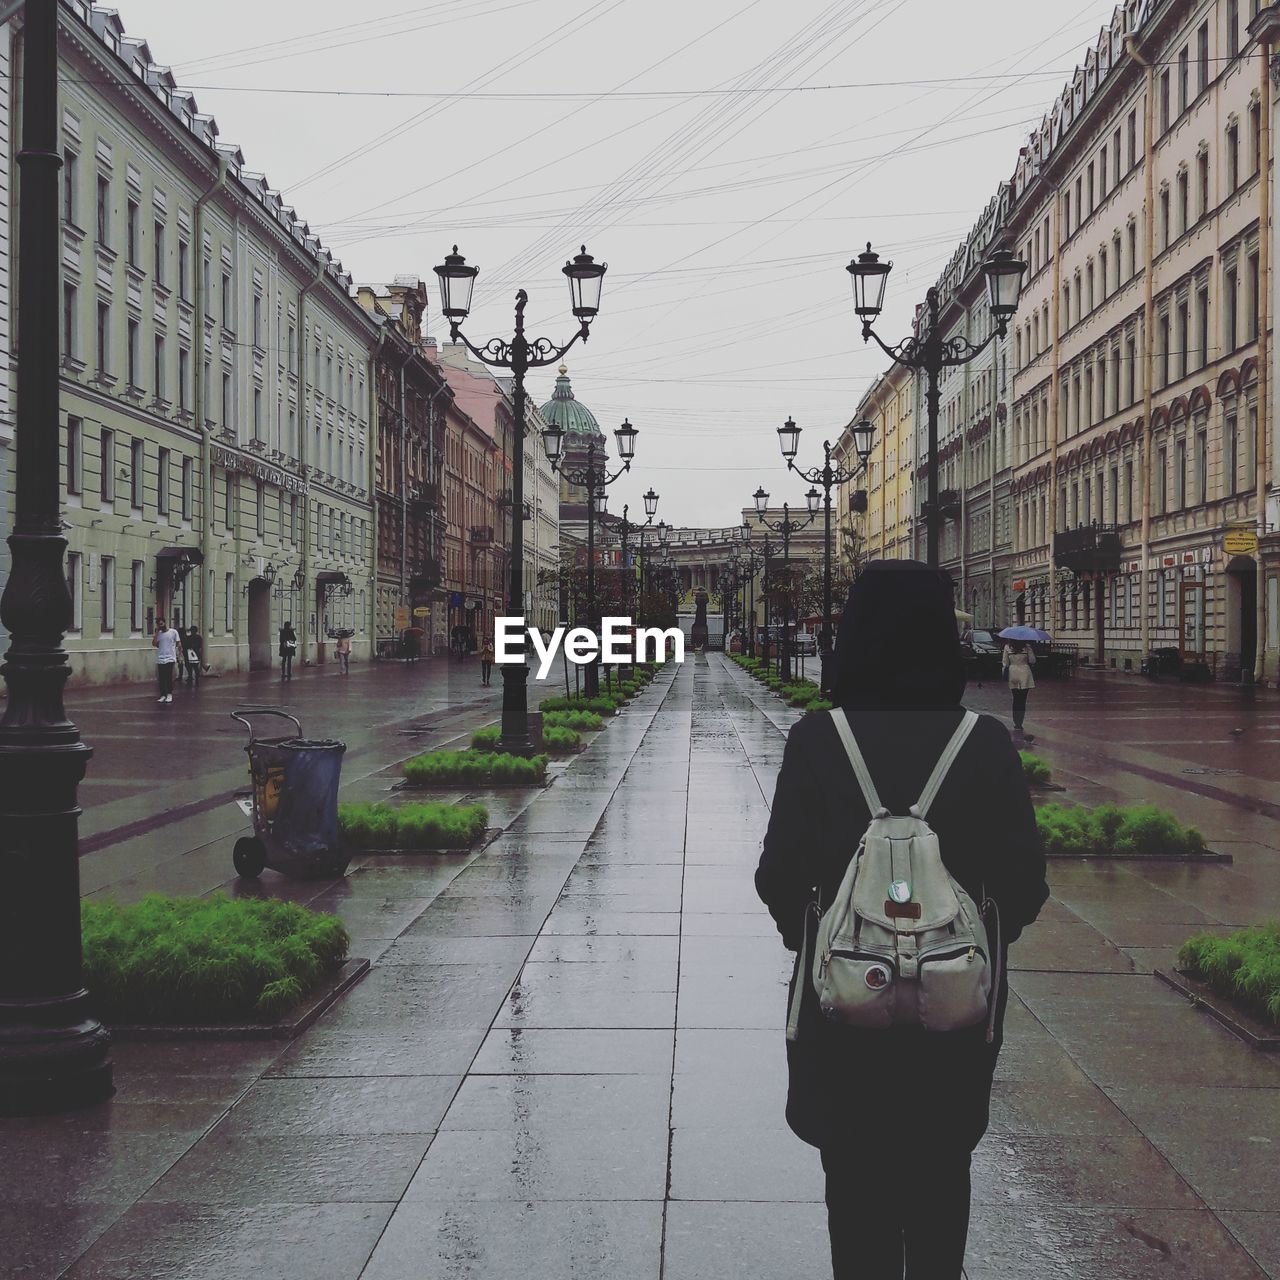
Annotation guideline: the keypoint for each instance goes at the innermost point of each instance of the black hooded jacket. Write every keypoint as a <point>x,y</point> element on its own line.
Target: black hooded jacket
<point>899,677</point>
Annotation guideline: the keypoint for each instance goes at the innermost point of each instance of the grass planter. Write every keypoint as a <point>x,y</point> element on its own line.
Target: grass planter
<point>1142,833</point>
<point>1236,980</point>
<point>602,705</point>
<point>1035,769</point>
<point>578,721</point>
<point>208,963</point>
<point>411,827</point>
<point>475,768</point>
<point>560,741</point>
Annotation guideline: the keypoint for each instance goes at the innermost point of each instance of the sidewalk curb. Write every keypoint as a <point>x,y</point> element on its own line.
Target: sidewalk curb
<point>1213,859</point>
<point>318,1003</point>
<point>1253,1031</point>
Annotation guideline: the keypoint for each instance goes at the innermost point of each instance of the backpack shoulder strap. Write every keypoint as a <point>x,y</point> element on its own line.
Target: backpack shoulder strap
<point>945,761</point>
<point>860,771</point>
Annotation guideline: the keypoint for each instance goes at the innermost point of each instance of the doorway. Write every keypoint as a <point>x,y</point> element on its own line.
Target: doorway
<point>259,625</point>
<point>1242,616</point>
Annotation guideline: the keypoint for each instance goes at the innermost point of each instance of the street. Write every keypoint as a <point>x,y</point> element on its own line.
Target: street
<point>568,1057</point>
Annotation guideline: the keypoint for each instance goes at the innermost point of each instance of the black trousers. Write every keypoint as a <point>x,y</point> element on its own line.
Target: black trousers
<point>894,1215</point>
<point>286,666</point>
<point>485,669</point>
<point>165,671</point>
<point>1019,706</point>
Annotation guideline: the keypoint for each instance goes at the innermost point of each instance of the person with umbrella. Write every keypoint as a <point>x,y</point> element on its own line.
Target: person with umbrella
<point>1016,661</point>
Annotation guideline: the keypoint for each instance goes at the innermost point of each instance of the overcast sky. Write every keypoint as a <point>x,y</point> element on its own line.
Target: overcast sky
<point>522,128</point>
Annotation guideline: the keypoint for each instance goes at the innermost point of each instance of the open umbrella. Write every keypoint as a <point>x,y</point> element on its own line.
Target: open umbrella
<point>1031,634</point>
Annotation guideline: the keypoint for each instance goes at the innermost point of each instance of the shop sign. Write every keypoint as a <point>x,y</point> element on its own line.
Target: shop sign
<point>1240,541</point>
<point>230,460</point>
<point>422,612</point>
<point>401,617</point>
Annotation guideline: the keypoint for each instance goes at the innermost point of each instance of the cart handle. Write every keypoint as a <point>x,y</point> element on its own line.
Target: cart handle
<point>240,712</point>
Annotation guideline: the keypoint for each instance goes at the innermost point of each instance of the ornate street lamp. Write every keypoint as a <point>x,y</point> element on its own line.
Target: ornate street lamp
<point>650,503</point>
<point>53,1051</point>
<point>930,352</point>
<point>828,476</point>
<point>785,527</point>
<point>457,283</point>
<point>595,477</point>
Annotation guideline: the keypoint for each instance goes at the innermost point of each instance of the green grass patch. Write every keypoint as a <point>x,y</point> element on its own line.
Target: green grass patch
<point>486,739</point>
<point>451,768</point>
<point>205,960</point>
<point>602,705</point>
<point>1244,967</point>
<point>429,825</point>
<point>1035,769</point>
<point>818,704</point>
<point>560,742</point>
<point>1110,831</point>
<point>579,721</point>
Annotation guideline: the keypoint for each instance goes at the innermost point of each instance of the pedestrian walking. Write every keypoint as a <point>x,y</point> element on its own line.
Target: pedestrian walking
<point>1017,661</point>
<point>195,655</point>
<point>288,647</point>
<point>343,650</point>
<point>896,1112</point>
<point>165,642</point>
<point>486,662</point>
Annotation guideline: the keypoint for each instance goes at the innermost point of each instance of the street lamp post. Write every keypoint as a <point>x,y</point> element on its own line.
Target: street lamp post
<point>785,528</point>
<point>625,529</point>
<point>752,561</point>
<point>595,477</point>
<point>931,353</point>
<point>828,477</point>
<point>53,1052</point>
<point>520,354</point>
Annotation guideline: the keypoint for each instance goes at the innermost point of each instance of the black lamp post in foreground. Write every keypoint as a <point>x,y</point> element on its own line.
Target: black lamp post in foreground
<point>828,477</point>
<point>784,527</point>
<point>930,352</point>
<point>457,280</point>
<point>595,477</point>
<point>53,1052</point>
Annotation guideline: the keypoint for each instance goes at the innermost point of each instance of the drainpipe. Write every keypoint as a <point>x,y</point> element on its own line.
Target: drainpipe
<point>200,400</point>
<point>371,479</point>
<point>304,437</point>
<point>1055,400</point>
<point>438,538</point>
<point>1264,382</point>
<point>1148,323</point>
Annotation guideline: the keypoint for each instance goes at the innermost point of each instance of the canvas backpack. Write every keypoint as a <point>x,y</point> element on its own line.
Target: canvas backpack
<point>902,943</point>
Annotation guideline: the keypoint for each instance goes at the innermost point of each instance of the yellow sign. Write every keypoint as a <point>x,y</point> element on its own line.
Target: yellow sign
<point>1240,542</point>
<point>422,611</point>
<point>402,617</point>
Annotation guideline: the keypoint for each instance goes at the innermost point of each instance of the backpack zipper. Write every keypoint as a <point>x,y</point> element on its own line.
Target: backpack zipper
<point>969,954</point>
<point>873,956</point>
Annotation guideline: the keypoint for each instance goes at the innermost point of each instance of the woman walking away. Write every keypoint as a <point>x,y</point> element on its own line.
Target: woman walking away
<point>486,662</point>
<point>343,649</point>
<point>890,1072</point>
<point>1018,661</point>
<point>195,655</point>
<point>288,647</point>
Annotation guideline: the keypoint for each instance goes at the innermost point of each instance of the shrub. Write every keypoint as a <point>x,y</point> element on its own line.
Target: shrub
<point>1035,769</point>
<point>1243,967</point>
<point>1109,830</point>
<point>602,705</point>
<point>486,739</point>
<point>580,721</point>
<point>431,825</point>
<point>448,768</point>
<point>560,742</point>
<point>818,704</point>
<point>205,960</point>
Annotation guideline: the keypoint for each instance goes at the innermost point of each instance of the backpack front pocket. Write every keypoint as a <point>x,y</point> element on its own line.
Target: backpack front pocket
<point>856,988</point>
<point>955,988</point>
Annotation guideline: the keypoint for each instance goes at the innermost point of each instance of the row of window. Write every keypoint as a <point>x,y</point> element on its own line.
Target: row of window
<point>122,459</point>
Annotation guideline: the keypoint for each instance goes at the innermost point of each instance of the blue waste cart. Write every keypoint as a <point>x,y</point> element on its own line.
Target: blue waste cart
<point>293,802</point>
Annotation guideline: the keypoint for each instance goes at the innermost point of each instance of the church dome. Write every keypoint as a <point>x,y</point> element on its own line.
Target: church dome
<point>570,415</point>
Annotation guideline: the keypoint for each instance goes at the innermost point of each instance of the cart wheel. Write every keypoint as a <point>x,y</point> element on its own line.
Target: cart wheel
<point>249,857</point>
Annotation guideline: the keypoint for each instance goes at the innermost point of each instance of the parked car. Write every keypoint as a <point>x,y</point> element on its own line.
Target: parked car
<point>982,654</point>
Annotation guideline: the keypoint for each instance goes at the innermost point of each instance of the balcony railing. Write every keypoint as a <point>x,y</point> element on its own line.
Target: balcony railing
<point>1091,548</point>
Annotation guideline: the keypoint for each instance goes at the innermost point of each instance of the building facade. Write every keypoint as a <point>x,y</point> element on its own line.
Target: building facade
<point>216,383</point>
<point>412,395</point>
<point>881,519</point>
<point>1140,403</point>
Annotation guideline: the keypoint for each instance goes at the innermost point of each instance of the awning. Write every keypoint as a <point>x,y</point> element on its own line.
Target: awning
<point>190,555</point>
<point>332,575</point>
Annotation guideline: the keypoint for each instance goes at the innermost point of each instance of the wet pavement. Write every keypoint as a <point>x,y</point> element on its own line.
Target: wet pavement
<point>567,1060</point>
